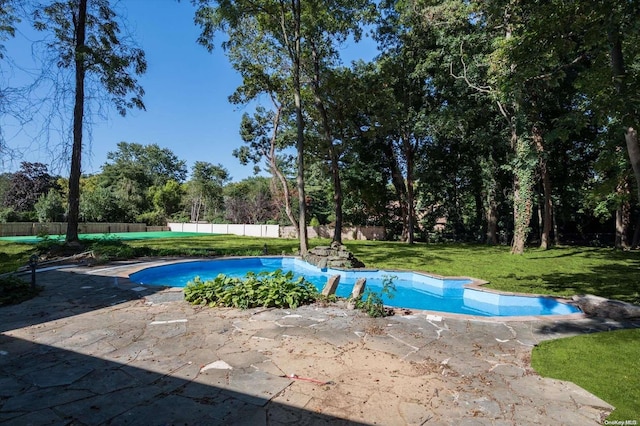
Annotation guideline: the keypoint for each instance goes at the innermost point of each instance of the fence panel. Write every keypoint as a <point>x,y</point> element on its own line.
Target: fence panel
<point>14,229</point>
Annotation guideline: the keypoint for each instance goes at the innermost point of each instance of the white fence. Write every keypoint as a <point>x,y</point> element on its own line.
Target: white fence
<point>277,231</point>
<point>269,231</point>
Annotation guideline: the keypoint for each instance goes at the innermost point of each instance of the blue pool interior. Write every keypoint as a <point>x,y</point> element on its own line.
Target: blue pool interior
<point>412,290</point>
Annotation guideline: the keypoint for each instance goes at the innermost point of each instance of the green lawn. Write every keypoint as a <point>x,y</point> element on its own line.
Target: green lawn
<point>605,364</point>
<point>14,255</point>
<point>562,271</point>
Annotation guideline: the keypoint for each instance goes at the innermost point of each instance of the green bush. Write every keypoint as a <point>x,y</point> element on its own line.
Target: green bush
<point>372,303</point>
<point>8,214</point>
<point>13,290</point>
<point>269,289</point>
<point>154,218</point>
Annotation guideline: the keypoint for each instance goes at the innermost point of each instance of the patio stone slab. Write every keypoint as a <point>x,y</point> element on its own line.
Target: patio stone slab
<point>88,352</point>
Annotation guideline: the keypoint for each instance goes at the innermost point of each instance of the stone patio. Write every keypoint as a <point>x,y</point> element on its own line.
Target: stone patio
<point>94,348</point>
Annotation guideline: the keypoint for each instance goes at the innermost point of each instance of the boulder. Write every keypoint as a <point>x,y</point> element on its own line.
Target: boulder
<point>335,256</point>
<point>606,308</point>
<point>331,286</point>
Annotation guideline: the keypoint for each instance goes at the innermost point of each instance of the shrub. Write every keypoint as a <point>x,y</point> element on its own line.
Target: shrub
<point>372,303</point>
<point>154,218</point>
<point>269,289</point>
<point>13,290</point>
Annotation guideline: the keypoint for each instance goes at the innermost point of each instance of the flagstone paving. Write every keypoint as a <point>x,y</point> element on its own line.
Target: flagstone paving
<point>94,348</point>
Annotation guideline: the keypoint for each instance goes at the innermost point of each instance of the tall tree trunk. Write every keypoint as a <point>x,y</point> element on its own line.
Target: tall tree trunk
<point>399,185</point>
<point>78,115</point>
<point>297,98</point>
<point>275,170</point>
<point>522,174</point>
<point>547,205</point>
<point>522,192</point>
<point>337,193</point>
<point>488,191</point>
<point>411,210</point>
<point>491,213</point>
<point>631,138</point>
<point>286,193</point>
<point>619,76</point>
<point>622,226</point>
<point>636,235</point>
<point>302,199</point>
<point>623,216</point>
<point>556,232</point>
<point>331,148</point>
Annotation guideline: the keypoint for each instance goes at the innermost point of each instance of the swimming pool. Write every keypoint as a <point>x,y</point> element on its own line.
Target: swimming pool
<point>413,290</point>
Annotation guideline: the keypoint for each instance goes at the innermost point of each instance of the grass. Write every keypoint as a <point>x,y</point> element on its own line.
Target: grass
<point>562,271</point>
<point>218,245</point>
<point>605,364</point>
<point>13,255</point>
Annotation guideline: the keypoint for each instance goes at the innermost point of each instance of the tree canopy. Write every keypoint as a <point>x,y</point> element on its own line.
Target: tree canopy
<point>485,121</point>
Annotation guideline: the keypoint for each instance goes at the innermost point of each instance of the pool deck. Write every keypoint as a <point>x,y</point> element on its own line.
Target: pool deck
<point>94,348</point>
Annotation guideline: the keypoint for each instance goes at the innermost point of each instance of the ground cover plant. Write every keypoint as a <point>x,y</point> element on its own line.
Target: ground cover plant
<point>605,364</point>
<point>14,290</point>
<point>275,289</point>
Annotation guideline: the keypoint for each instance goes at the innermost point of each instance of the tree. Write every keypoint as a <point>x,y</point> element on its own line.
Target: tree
<point>148,165</point>
<point>249,201</point>
<point>612,80</point>
<point>86,41</point>
<point>134,168</point>
<point>263,136</point>
<point>296,29</point>
<point>279,23</point>
<point>102,205</point>
<point>205,190</point>
<point>50,207</point>
<point>27,185</point>
<point>8,19</point>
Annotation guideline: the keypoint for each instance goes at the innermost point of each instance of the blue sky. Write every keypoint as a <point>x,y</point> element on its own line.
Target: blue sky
<point>186,94</point>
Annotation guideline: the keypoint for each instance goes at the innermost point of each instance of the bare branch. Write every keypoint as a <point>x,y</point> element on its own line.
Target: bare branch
<point>465,77</point>
<point>550,74</point>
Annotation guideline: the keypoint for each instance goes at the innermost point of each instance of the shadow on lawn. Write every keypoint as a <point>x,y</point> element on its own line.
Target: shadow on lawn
<point>416,256</point>
<point>14,258</point>
<point>588,252</point>
<point>566,328</point>
<point>614,281</point>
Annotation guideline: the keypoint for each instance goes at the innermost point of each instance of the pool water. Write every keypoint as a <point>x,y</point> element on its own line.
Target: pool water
<point>412,290</point>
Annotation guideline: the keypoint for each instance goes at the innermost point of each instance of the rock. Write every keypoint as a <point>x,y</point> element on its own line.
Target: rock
<point>605,308</point>
<point>331,285</point>
<point>357,292</point>
<point>336,256</point>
